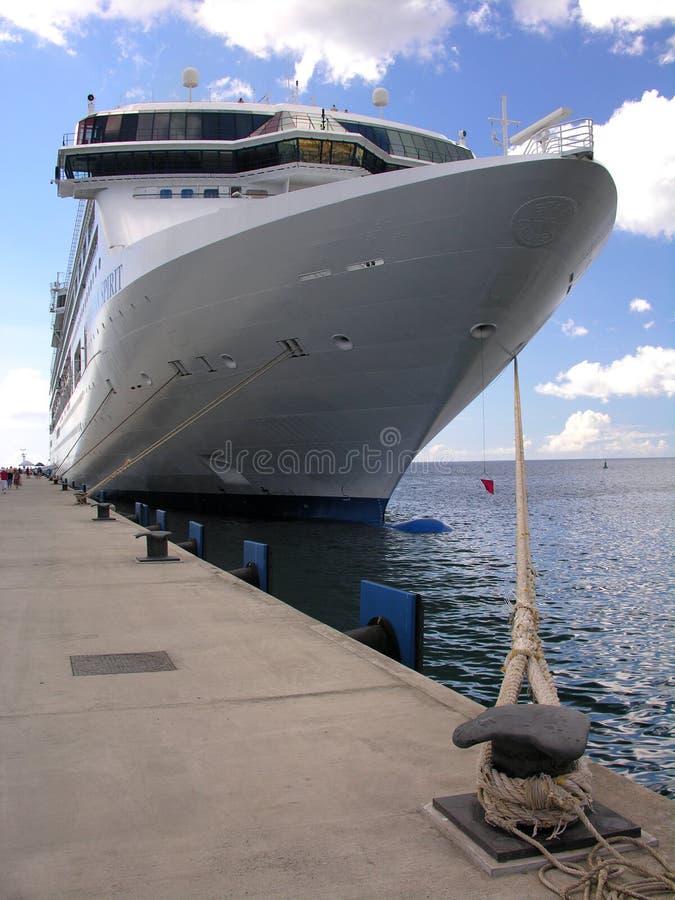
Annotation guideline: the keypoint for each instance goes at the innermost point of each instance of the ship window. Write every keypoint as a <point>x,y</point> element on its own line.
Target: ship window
<point>160,127</point>
<point>166,193</point>
<point>246,159</point>
<point>112,128</point>
<point>193,126</point>
<point>342,153</point>
<point>310,151</point>
<point>144,132</point>
<point>411,144</point>
<point>288,151</point>
<point>211,193</point>
<point>177,130</point>
<point>77,363</point>
<point>129,127</point>
<point>186,193</point>
<point>257,157</point>
<point>397,147</point>
<point>210,127</point>
<point>86,130</point>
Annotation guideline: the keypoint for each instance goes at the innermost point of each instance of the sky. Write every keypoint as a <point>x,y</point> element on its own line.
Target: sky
<point>597,381</point>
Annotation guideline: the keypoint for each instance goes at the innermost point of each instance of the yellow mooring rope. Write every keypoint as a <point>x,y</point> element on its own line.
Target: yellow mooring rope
<point>226,395</point>
<point>543,801</point>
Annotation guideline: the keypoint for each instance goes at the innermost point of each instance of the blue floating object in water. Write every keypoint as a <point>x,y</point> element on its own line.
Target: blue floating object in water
<point>425,525</point>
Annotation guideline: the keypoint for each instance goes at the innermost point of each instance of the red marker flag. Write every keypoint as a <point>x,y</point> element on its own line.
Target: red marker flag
<point>489,485</point>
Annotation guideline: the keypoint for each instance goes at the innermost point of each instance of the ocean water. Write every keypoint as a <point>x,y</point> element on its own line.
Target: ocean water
<point>602,545</point>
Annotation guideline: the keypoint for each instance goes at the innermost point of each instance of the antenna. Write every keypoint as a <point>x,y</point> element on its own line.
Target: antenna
<point>190,79</point>
<point>380,99</point>
<point>551,119</point>
<point>505,122</point>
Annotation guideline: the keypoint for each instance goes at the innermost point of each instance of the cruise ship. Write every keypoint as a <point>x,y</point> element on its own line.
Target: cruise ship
<point>271,308</point>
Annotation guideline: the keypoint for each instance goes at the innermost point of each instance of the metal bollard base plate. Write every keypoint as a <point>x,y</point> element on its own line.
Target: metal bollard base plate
<point>157,559</point>
<point>466,814</point>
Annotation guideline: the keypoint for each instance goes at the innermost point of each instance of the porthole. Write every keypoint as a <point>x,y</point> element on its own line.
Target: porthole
<point>483,330</point>
<point>147,380</point>
<point>342,342</point>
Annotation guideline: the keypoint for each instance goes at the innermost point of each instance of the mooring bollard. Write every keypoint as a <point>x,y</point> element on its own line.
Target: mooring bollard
<point>255,568</point>
<point>103,513</point>
<point>157,547</point>
<point>528,738</point>
<point>195,541</point>
<point>391,621</point>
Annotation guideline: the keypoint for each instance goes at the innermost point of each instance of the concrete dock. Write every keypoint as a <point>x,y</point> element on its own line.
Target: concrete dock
<point>279,759</point>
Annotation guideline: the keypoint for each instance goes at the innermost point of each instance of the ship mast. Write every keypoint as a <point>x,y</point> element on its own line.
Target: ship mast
<point>502,142</point>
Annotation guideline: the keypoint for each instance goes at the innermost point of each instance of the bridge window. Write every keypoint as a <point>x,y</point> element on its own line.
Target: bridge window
<point>186,193</point>
<point>245,159</point>
<point>160,126</point>
<point>166,193</point>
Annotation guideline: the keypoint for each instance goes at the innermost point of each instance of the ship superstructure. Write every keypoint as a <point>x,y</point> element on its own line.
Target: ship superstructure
<point>394,273</point>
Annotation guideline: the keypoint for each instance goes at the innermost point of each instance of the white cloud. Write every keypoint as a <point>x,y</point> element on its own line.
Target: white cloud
<point>230,89</point>
<point>650,373</point>
<point>136,95</point>
<point>582,429</point>
<point>6,37</point>
<point>648,325</point>
<point>483,18</point>
<point>605,15</point>
<point>646,193</point>
<point>668,56</point>
<point>538,14</point>
<point>436,453</point>
<point>632,46</point>
<point>24,404</point>
<point>441,453</point>
<point>343,39</point>
<point>626,14</point>
<point>593,432</point>
<point>639,305</point>
<point>572,330</point>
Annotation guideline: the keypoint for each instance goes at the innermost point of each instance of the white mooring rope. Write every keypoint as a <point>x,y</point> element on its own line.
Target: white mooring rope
<point>226,395</point>
<point>543,801</point>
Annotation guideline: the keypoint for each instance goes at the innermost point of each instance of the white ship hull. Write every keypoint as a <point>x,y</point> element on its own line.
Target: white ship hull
<point>403,265</point>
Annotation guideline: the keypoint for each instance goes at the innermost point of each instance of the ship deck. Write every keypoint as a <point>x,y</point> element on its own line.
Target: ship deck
<point>279,759</point>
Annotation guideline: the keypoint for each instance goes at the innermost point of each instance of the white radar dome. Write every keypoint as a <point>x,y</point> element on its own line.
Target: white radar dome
<point>380,97</point>
<point>190,78</point>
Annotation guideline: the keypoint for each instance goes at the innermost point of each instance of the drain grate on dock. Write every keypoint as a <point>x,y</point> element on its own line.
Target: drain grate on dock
<point>121,663</point>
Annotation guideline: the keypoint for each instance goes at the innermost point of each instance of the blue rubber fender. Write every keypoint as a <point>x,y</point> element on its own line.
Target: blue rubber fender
<point>424,525</point>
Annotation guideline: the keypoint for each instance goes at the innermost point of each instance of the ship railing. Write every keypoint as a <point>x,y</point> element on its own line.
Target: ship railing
<point>574,138</point>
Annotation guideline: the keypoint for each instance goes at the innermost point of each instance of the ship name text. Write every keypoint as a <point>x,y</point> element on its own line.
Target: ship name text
<point>112,284</point>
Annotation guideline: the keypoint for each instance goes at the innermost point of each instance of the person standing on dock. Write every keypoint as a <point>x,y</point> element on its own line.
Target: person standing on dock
<point>10,476</point>
<point>17,478</point>
<point>3,480</point>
